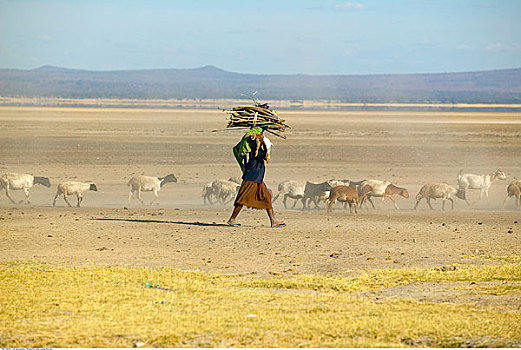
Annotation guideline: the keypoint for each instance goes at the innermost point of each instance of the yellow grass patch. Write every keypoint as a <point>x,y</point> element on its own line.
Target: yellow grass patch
<point>510,259</point>
<point>44,305</point>
<point>376,279</point>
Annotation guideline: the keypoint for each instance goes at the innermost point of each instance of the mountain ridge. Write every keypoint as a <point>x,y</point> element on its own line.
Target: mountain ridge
<point>210,82</point>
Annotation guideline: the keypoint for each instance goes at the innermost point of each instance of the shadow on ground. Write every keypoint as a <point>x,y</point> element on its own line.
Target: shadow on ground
<point>195,223</point>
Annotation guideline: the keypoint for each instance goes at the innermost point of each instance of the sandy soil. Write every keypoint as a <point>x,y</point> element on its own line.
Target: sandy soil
<point>108,146</point>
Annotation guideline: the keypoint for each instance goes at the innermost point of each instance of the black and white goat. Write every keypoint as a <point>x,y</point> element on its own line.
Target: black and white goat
<point>69,188</point>
<point>14,181</point>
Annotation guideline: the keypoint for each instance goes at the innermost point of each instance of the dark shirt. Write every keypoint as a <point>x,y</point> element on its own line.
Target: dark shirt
<point>255,167</point>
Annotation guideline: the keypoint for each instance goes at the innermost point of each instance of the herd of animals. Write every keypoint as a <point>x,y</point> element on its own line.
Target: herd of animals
<point>353,193</point>
<point>358,193</point>
<point>137,184</point>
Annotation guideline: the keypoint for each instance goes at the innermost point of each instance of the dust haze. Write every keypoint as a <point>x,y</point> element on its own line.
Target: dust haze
<point>108,146</point>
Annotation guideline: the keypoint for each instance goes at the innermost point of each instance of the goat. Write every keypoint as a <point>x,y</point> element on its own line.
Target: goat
<point>438,190</point>
<point>144,183</point>
<point>314,191</point>
<point>14,181</point>
<point>73,187</point>
<point>325,196</point>
<point>291,189</point>
<point>335,183</point>
<point>207,193</point>
<point>378,188</point>
<point>346,194</point>
<point>224,190</point>
<point>367,186</point>
<point>478,182</point>
<point>513,190</point>
<point>235,179</point>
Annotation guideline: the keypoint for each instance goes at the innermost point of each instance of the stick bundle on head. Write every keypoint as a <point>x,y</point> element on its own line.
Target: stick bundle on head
<point>258,115</point>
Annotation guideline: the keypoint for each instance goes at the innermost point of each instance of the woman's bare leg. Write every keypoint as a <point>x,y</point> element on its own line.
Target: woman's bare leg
<point>235,213</point>
<point>273,220</point>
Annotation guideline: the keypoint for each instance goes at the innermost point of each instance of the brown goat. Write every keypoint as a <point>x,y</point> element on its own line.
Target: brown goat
<point>383,190</point>
<point>392,189</point>
<point>513,190</point>
<point>344,194</point>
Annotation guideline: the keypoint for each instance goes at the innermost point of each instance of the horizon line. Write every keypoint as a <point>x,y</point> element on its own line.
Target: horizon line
<point>209,66</point>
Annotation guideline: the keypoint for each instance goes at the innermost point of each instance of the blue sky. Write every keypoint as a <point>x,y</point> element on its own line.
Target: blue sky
<point>263,37</point>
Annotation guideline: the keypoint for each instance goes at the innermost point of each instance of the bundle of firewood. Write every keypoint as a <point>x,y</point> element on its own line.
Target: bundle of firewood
<point>259,115</point>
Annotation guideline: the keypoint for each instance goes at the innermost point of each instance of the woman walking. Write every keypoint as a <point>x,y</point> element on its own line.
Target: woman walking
<point>251,153</point>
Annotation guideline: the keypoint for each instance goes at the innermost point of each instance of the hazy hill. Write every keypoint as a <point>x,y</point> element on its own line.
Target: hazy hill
<point>497,86</point>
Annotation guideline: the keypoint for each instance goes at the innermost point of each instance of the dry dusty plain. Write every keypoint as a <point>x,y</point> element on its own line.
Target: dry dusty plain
<point>108,146</point>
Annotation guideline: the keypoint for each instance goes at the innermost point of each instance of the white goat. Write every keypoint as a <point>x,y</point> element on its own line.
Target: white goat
<point>14,181</point>
<point>207,193</point>
<point>513,190</point>
<point>73,187</point>
<point>144,183</point>
<point>291,189</point>
<point>438,190</point>
<point>224,190</point>
<point>478,182</point>
<point>376,187</point>
<point>235,179</point>
<point>334,183</point>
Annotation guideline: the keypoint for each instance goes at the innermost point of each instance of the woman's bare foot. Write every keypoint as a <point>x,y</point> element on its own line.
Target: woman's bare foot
<point>279,224</point>
<point>232,222</point>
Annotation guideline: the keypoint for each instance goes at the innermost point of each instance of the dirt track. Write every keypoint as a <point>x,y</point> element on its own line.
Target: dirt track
<point>108,146</point>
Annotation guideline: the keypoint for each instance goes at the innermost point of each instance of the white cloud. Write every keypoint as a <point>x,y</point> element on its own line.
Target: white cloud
<point>504,47</point>
<point>349,6</point>
<point>427,42</point>
<point>351,52</point>
<point>463,46</point>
